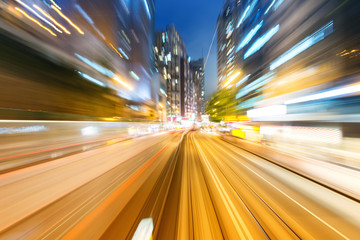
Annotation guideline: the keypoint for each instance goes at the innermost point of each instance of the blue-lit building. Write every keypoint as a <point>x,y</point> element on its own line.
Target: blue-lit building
<point>172,62</point>
<point>226,40</point>
<point>198,80</point>
<point>129,30</point>
<point>300,56</point>
<point>184,77</point>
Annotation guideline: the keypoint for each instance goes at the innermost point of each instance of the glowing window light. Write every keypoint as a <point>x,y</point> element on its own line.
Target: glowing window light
<point>274,110</point>
<point>230,51</point>
<point>67,19</point>
<point>247,12</point>
<point>229,73</point>
<point>256,84</point>
<point>303,45</point>
<point>249,36</point>
<point>51,19</point>
<point>117,79</point>
<point>328,94</point>
<point>112,46</point>
<point>267,10</point>
<point>147,8</point>
<point>134,75</point>
<point>232,78</point>
<point>229,27</point>
<point>260,42</point>
<point>96,66</point>
<point>243,80</point>
<point>229,30</point>
<point>38,15</point>
<point>84,14</point>
<point>91,79</point>
<point>230,59</point>
<point>250,103</point>
<point>243,17</point>
<point>123,53</point>
<point>35,21</point>
<point>278,3</point>
<point>163,92</point>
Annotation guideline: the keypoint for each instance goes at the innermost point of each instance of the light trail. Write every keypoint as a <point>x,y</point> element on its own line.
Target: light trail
<point>35,21</point>
<point>67,19</point>
<point>51,19</point>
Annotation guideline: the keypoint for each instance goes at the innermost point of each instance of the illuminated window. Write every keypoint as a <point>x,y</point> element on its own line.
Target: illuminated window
<point>303,45</point>
<point>260,42</point>
<point>249,36</point>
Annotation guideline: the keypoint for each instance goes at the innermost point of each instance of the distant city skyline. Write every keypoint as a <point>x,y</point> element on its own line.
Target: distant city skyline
<point>196,22</point>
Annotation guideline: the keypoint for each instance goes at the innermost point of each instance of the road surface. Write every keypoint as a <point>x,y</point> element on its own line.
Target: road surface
<point>192,185</point>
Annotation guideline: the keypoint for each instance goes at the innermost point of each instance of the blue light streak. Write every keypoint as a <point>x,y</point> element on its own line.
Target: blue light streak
<point>91,79</point>
<point>303,45</point>
<point>243,16</point>
<point>147,8</point>
<point>249,36</point>
<point>96,66</point>
<point>123,53</point>
<point>256,84</point>
<point>347,90</point>
<point>267,10</point>
<point>136,77</point>
<point>247,12</point>
<point>243,80</point>
<point>260,42</point>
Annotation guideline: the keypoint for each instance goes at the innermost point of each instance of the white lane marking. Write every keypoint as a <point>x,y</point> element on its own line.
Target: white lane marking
<point>144,230</point>
<point>226,199</point>
<point>88,201</point>
<point>314,215</point>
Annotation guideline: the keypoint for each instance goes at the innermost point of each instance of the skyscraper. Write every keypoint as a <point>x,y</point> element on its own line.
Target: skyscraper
<point>197,70</point>
<point>172,62</point>
<point>282,52</point>
<point>227,38</point>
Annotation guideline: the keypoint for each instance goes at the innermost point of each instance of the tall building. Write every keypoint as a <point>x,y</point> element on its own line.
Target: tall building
<point>227,38</point>
<point>173,63</point>
<point>129,30</point>
<point>287,55</point>
<point>197,70</point>
<point>108,43</point>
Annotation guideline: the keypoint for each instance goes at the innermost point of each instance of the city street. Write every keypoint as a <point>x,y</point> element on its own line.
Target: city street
<point>193,185</point>
<point>179,120</point>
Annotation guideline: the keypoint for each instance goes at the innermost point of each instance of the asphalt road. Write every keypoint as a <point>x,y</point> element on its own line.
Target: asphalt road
<point>191,185</point>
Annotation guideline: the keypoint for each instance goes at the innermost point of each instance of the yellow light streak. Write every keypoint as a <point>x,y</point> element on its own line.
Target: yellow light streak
<point>35,21</point>
<point>117,79</point>
<point>67,19</point>
<point>38,15</point>
<point>55,4</point>
<point>232,78</point>
<point>51,19</point>
<point>112,46</point>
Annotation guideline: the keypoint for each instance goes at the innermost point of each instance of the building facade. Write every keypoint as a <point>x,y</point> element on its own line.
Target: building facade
<point>108,43</point>
<point>172,62</point>
<point>227,38</point>
<point>198,78</point>
<point>287,54</point>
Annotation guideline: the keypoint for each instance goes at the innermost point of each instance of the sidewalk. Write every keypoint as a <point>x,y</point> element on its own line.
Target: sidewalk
<point>340,177</point>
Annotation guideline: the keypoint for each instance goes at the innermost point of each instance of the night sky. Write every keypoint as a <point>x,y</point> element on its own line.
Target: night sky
<point>196,22</point>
